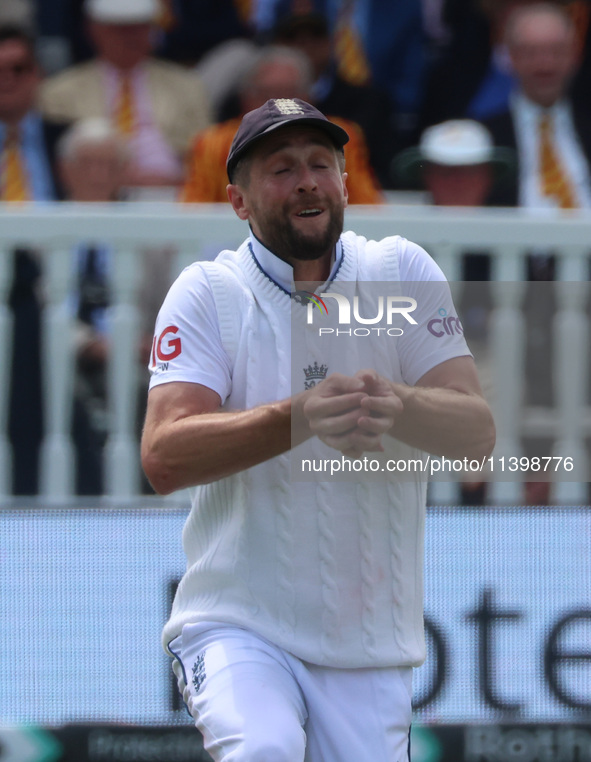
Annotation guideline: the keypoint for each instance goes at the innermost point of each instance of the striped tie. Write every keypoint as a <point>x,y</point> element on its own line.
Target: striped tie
<point>553,180</point>
<point>14,177</point>
<point>124,113</point>
<point>352,63</point>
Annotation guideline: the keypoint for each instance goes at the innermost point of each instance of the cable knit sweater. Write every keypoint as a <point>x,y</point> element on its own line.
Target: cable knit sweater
<point>329,571</point>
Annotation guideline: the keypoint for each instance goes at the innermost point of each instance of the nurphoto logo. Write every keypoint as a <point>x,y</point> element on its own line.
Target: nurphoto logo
<point>349,314</point>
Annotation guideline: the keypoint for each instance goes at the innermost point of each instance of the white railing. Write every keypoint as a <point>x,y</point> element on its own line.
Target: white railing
<point>198,232</point>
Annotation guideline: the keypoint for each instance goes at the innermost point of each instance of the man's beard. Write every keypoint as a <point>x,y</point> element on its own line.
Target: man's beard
<point>281,237</point>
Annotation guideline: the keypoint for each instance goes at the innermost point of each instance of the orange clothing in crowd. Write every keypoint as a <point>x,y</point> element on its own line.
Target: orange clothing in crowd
<point>206,177</point>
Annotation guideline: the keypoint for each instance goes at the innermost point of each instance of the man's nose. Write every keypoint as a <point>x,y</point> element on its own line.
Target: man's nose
<point>307,180</point>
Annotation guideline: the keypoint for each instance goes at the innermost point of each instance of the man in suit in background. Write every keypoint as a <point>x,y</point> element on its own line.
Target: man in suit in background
<point>24,134</point>
<point>157,105</point>
<point>553,140</point>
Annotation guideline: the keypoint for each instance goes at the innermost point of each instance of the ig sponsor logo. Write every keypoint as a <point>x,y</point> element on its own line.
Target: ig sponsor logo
<point>165,347</point>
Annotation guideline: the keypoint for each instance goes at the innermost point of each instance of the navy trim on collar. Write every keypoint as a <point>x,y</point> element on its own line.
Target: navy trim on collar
<point>265,273</point>
<point>279,286</point>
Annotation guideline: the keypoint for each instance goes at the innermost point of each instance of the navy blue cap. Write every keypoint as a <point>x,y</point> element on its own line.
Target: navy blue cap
<point>275,113</point>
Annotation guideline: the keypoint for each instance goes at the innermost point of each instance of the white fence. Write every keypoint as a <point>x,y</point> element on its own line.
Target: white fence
<point>199,232</point>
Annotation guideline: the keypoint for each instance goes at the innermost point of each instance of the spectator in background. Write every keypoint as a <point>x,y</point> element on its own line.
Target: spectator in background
<point>222,71</point>
<point>27,140</point>
<point>470,72</point>
<point>377,42</point>
<point>552,136</point>
<point>553,140</point>
<point>333,94</point>
<point>278,72</point>
<point>157,105</point>
<point>27,173</point>
<point>93,159</point>
<point>184,30</point>
<point>93,162</point>
<point>458,165</point>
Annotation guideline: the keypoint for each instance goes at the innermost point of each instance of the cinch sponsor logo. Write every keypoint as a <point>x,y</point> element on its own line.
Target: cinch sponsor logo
<point>166,347</point>
<point>445,325</point>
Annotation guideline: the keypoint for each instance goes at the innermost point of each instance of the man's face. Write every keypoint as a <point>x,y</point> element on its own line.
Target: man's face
<point>544,56</point>
<point>19,80</point>
<point>295,196</point>
<point>122,45</point>
<point>95,173</point>
<point>459,185</point>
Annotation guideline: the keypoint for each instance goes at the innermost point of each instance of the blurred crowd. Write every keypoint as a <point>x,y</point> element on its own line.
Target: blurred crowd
<point>469,102</point>
<point>174,76</point>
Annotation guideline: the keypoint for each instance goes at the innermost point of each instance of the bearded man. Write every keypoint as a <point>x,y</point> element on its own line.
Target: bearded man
<point>298,622</point>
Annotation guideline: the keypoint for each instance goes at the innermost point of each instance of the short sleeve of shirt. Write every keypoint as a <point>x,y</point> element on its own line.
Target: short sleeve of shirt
<point>438,334</point>
<point>187,344</point>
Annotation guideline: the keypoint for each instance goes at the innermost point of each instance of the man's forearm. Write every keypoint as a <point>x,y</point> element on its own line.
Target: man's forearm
<point>202,448</point>
<point>444,421</point>
<point>197,449</point>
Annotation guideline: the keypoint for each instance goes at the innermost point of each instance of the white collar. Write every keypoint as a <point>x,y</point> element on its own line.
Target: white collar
<point>281,272</point>
<point>533,110</point>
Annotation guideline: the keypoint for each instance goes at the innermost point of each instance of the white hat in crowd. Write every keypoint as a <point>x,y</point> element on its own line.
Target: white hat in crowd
<point>455,143</point>
<point>122,11</point>
<point>92,130</point>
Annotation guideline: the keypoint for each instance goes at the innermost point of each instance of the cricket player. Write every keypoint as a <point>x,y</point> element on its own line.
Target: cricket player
<point>299,619</point>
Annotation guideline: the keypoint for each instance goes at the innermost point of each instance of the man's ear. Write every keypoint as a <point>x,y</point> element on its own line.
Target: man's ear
<point>345,189</point>
<point>238,201</point>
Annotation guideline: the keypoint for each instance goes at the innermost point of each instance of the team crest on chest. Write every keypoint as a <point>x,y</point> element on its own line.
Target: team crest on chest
<point>314,374</point>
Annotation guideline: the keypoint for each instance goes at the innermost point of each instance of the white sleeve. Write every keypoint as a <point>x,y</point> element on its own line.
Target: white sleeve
<point>187,344</point>
<point>438,335</point>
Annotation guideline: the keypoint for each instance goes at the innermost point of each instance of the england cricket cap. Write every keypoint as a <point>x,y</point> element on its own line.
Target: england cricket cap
<point>276,113</point>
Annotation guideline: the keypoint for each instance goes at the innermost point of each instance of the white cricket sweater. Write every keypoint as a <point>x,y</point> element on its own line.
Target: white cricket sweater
<point>331,572</point>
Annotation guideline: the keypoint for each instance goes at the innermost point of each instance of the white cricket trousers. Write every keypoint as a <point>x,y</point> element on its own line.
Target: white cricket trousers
<point>253,702</point>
